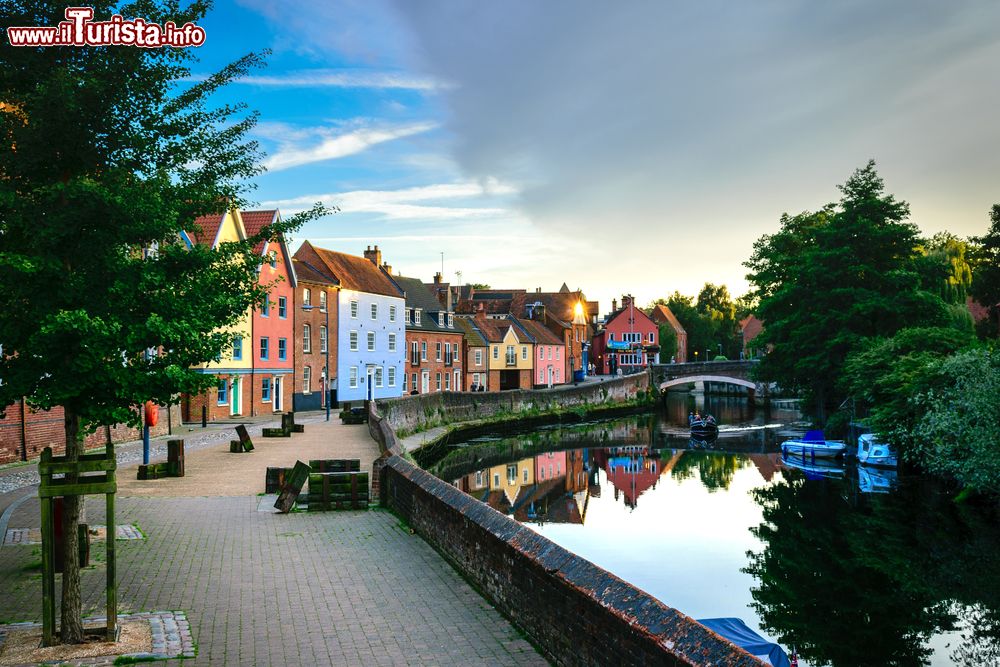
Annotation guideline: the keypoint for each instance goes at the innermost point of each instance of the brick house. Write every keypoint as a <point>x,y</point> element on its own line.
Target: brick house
<point>475,355</point>
<point>750,328</point>
<point>433,342</point>
<point>234,368</point>
<point>273,326</point>
<point>661,314</point>
<point>626,341</point>
<point>314,298</point>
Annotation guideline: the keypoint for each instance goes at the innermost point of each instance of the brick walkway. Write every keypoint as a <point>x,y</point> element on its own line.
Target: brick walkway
<point>338,588</point>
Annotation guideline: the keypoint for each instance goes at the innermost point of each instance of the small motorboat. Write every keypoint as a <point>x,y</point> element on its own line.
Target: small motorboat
<point>871,452</point>
<point>739,633</point>
<point>876,480</point>
<point>703,425</point>
<point>813,446</point>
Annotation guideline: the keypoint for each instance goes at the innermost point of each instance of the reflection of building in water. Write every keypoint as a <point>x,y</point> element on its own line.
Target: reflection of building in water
<point>767,464</point>
<point>631,472</point>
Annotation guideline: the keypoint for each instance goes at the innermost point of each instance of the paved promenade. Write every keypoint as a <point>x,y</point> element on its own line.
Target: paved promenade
<point>338,588</point>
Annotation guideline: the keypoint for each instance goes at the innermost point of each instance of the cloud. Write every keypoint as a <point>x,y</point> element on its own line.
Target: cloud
<point>416,203</point>
<point>339,78</point>
<point>305,146</point>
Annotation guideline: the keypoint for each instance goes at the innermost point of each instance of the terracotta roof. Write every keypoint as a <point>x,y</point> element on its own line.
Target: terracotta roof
<point>205,228</point>
<point>473,336</point>
<point>254,221</point>
<point>493,330</point>
<point>539,333</point>
<point>305,271</point>
<point>351,272</point>
<point>662,313</point>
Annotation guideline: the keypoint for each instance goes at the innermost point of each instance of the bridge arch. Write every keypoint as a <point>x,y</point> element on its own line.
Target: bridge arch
<point>688,379</point>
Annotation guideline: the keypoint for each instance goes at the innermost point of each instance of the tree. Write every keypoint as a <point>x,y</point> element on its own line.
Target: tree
<point>946,267</point>
<point>108,156</point>
<point>479,286</point>
<point>668,343</point>
<point>715,303</point>
<point>986,275</point>
<point>829,279</point>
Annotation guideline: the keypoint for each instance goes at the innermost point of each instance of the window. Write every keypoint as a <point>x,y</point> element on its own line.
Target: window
<point>283,307</point>
<point>413,382</point>
<point>354,341</point>
<point>557,354</point>
<point>282,349</point>
<point>557,374</point>
<point>423,350</point>
<point>409,315</point>
<point>479,478</point>
<point>511,356</point>
<point>496,479</point>
<point>447,353</point>
<point>451,320</point>
<point>524,351</point>
<point>322,339</point>
<point>447,382</point>
<point>437,351</point>
<point>392,343</point>
<point>354,377</point>
<point>264,345</point>
<point>392,376</point>
<point>238,348</point>
<point>306,380</point>
<point>322,301</point>
<point>550,351</point>
<point>437,384</point>
<point>496,351</point>
<point>405,376</point>
<point>524,475</point>
<point>265,390</point>
<point>354,309</point>
<point>371,341</point>
<point>392,313</point>
<point>541,352</point>
<point>414,353</point>
<point>458,381</point>
<point>307,298</point>
<point>576,335</point>
<point>416,316</point>
<point>511,473</point>
<point>274,260</point>
<point>223,393</point>
<point>479,357</point>
<point>650,336</point>
<point>378,376</point>
<point>374,311</point>
<point>265,308</point>
<point>454,352</point>
<point>306,338</point>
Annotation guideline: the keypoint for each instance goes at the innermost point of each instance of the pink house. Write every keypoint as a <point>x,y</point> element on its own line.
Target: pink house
<point>550,466</point>
<point>549,367</point>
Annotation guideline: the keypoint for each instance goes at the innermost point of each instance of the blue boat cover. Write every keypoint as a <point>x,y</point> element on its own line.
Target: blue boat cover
<point>736,631</point>
<point>814,436</point>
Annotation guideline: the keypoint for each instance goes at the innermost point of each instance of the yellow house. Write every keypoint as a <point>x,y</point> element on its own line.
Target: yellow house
<point>511,353</point>
<point>506,481</point>
<point>234,368</point>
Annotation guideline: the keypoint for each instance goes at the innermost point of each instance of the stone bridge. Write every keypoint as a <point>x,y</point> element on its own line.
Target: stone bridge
<point>739,373</point>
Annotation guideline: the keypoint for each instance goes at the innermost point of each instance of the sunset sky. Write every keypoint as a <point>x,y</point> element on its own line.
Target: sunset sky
<point>618,147</point>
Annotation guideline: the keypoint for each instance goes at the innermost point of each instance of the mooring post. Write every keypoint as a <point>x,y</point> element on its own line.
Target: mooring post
<point>204,416</point>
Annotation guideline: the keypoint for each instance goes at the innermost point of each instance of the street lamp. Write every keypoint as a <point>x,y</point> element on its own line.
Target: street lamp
<point>326,370</point>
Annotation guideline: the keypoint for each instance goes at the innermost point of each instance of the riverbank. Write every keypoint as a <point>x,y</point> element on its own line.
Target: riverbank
<point>573,611</point>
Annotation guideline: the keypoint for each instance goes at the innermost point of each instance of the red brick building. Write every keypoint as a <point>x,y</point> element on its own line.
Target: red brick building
<point>434,343</point>
<point>661,314</point>
<point>475,356</point>
<point>314,305</point>
<point>750,328</point>
<point>626,341</point>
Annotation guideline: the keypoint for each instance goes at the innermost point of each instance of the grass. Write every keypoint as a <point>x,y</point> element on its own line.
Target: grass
<point>133,659</point>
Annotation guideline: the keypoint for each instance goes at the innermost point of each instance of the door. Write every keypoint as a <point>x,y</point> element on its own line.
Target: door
<point>550,376</point>
<point>425,382</point>
<point>234,403</point>
<point>277,393</point>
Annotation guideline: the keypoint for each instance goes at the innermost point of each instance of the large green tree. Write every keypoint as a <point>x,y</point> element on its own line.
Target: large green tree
<point>986,277</point>
<point>107,154</point>
<point>830,279</point>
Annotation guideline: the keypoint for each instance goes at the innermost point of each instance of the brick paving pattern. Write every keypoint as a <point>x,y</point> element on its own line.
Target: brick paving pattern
<point>258,588</point>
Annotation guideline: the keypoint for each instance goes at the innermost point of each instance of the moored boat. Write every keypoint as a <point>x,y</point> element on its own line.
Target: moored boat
<point>872,452</point>
<point>703,425</point>
<point>813,446</point>
<point>814,469</point>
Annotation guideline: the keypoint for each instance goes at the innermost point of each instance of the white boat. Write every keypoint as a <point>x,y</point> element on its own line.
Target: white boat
<point>871,452</point>
<point>813,446</point>
<point>874,480</point>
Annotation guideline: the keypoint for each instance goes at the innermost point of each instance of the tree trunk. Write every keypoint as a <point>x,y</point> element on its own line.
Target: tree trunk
<point>72,607</point>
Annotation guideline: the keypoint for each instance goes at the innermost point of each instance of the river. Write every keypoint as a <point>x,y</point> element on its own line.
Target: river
<point>851,566</point>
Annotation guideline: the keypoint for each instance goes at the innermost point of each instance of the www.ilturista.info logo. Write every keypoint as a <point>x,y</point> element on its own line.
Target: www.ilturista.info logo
<point>79,30</point>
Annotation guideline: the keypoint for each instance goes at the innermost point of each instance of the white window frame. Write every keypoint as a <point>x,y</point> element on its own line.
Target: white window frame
<point>353,377</point>
<point>307,338</point>
<point>479,357</point>
<point>416,316</point>
<point>307,379</point>
<point>322,301</point>
<point>371,341</point>
<point>354,309</point>
<point>322,338</point>
<point>391,372</point>
<point>378,376</point>
<point>392,342</point>
<point>374,310</point>
<point>306,296</point>
<point>392,313</point>
<point>353,341</point>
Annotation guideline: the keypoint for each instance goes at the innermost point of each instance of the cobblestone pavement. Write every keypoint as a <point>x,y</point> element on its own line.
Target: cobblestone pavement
<point>331,588</point>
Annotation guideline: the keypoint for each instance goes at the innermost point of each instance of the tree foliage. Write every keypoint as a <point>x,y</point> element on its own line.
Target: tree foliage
<point>986,277</point>
<point>828,280</point>
<point>108,155</point>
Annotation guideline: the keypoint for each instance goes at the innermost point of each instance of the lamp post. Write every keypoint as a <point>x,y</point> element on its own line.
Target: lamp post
<point>326,366</point>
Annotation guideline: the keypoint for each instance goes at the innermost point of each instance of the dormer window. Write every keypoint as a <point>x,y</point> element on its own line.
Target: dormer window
<point>409,315</point>
<point>451,320</point>
<point>416,316</point>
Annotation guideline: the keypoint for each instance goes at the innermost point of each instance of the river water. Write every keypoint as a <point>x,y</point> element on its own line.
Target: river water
<point>850,565</point>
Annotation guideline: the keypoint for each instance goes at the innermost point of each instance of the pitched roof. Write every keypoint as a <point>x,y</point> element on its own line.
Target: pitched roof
<point>662,313</point>
<point>305,271</point>
<point>473,336</point>
<point>418,296</point>
<point>205,228</point>
<point>351,272</point>
<point>493,330</point>
<point>539,333</point>
<point>254,221</point>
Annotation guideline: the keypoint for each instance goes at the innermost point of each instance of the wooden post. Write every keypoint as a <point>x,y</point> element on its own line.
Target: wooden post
<point>48,562</point>
<point>109,541</point>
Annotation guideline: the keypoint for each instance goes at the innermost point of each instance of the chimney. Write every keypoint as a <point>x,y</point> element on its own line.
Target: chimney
<point>437,278</point>
<point>388,268</point>
<point>374,256</point>
<point>538,313</point>
<point>626,300</point>
<point>614,305</point>
<point>538,290</point>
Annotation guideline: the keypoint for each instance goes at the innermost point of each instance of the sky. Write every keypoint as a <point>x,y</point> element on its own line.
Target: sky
<point>634,147</point>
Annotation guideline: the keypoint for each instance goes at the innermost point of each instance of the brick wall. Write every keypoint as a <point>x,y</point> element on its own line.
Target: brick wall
<point>192,405</point>
<point>411,412</point>
<point>27,435</point>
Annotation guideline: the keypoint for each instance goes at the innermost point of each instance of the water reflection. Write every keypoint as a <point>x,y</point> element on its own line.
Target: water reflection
<point>853,566</point>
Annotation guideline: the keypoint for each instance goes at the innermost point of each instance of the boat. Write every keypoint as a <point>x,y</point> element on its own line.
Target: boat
<point>813,446</point>
<point>739,633</point>
<point>876,480</point>
<point>703,425</point>
<point>872,452</point>
<point>814,469</point>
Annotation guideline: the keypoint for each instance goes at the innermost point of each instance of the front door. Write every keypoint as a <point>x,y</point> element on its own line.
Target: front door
<point>234,403</point>
<point>425,382</point>
<point>550,376</point>
<point>277,393</point>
